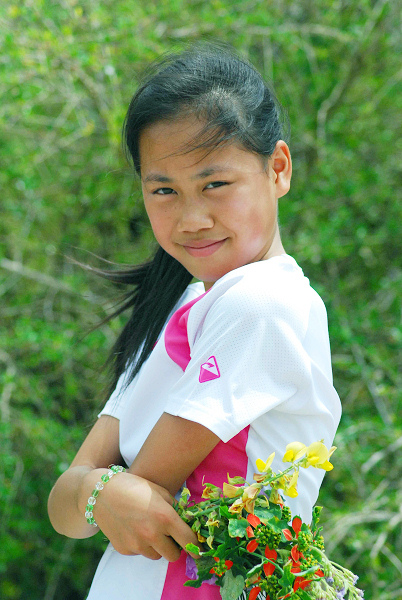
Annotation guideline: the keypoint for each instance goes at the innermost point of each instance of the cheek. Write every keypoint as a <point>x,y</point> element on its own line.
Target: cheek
<point>159,220</point>
<point>248,220</point>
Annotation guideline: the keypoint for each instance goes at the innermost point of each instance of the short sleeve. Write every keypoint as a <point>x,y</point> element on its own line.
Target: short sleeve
<point>115,404</point>
<point>248,358</point>
<point>122,393</point>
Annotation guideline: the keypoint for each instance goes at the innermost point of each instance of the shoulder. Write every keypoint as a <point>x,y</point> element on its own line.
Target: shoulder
<point>275,289</point>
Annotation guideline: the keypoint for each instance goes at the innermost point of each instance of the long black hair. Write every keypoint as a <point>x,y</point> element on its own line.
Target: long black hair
<point>228,95</point>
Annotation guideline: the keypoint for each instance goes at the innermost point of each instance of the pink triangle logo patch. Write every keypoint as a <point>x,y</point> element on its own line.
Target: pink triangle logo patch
<point>209,370</point>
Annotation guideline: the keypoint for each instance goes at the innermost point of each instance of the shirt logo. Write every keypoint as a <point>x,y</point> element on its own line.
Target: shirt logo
<point>209,370</point>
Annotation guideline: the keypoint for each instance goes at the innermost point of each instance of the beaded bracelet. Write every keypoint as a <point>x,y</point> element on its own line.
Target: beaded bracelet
<point>89,515</point>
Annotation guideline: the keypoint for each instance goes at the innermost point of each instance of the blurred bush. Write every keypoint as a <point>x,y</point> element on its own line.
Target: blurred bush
<point>67,73</point>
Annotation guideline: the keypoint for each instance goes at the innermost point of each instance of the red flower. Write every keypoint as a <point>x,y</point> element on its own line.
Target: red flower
<point>300,582</point>
<point>221,567</point>
<point>254,593</point>
<point>254,521</point>
<point>296,555</point>
<point>269,568</point>
<point>296,524</point>
<point>253,544</point>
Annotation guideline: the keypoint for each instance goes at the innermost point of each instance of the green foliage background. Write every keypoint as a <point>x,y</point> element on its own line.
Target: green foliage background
<point>67,72</point>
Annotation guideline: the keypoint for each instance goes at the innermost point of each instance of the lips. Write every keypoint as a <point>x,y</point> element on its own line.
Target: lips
<point>203,247</point>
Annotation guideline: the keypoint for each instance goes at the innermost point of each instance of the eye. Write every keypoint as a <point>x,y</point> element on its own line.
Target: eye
<point>163,191</point>
<point>216,184</point>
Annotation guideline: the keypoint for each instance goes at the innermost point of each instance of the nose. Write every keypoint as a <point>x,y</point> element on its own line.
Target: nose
<point>194,215</point>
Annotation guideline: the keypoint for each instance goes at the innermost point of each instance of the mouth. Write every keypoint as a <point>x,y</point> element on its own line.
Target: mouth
<point>203,248</point>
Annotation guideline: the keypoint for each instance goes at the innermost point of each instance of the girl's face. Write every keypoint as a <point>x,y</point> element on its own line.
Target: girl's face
<point>213,213</point>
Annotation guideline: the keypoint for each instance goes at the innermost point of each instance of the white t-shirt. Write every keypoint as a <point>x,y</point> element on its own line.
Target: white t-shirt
<point>250,360</point>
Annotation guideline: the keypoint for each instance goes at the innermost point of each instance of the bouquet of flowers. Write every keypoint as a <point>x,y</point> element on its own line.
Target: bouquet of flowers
<point>252,545</point>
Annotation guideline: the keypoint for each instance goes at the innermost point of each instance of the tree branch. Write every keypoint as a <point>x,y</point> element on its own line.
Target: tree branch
<point>330,104</point>
<point>47,280</point>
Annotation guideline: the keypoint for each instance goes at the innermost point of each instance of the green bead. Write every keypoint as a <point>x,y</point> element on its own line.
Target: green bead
<point>89,507</point>
<point>91,521</point>
<point>95,493</point>
<point>105,478</point>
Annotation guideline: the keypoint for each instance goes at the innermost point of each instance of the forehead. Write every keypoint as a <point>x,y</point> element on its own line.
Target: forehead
<point>164,147</point>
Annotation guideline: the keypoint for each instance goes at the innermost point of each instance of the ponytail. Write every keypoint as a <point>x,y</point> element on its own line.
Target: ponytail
<point>158,286</point>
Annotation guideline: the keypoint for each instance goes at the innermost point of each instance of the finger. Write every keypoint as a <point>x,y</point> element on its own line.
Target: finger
<point>168,548</point>
<point>182,533</point>
<point>150,553</point>
<point>146,551</point>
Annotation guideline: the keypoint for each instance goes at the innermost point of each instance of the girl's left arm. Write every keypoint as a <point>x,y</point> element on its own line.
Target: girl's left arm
<point>173,449</point>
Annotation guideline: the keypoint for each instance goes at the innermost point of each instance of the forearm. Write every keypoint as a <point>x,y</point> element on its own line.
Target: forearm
<point>68,499</point>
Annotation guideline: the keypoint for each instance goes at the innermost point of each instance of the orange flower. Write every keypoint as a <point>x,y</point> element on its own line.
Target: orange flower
<point>254,521</point>
<point>221,567</point>
<point>269,568</point>
<point>302,582</point>
<point>296,526</point>
<point>253,544</point>
<point>254,593</point>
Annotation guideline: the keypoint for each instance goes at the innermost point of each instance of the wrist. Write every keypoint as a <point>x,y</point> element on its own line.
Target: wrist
<point>103,476</point>
<point>88,483</point>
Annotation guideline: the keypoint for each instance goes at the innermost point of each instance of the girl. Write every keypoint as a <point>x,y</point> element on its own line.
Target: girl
<point>242,366</point>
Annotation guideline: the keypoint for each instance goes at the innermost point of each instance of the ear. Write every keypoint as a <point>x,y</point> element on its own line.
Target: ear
<point>281,165</point>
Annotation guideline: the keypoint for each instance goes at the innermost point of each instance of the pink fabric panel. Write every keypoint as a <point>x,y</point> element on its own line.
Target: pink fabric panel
<point>174,584</point>
<point>230,457</point>
<point>176,340</point>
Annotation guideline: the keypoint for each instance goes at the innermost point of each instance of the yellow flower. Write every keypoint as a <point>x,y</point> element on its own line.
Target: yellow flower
<point>291,489</point>
<point>247,500</point>
<point>262,466</point>
<point>237,480</point>
<point>237,506</point>
<point>294,451</point>
<point>231,491</point>
<point>275,497</point>
<point>201,538</point>
<point>249,496</point>
<point>317,455</point>
<point>211,492</point>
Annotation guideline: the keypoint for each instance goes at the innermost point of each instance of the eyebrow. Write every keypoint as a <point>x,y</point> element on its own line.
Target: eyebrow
<point>201,175</point>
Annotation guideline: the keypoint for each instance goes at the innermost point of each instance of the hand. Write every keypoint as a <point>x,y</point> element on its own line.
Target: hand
<point>137,516</point>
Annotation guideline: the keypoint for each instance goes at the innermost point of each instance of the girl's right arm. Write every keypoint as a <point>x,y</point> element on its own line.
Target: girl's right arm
<point>136,515</point>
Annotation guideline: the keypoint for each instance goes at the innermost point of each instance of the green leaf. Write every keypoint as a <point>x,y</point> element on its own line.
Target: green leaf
<point>224,511</point>
<point>278,526</point>
<point>266,514</point>
<point>205,563</point>
<point>195,583</point>
<point>287,579</point>
<point>237,527</point>
<point>193,548</point>
<point>220,551</point>
<point>232,586</point>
